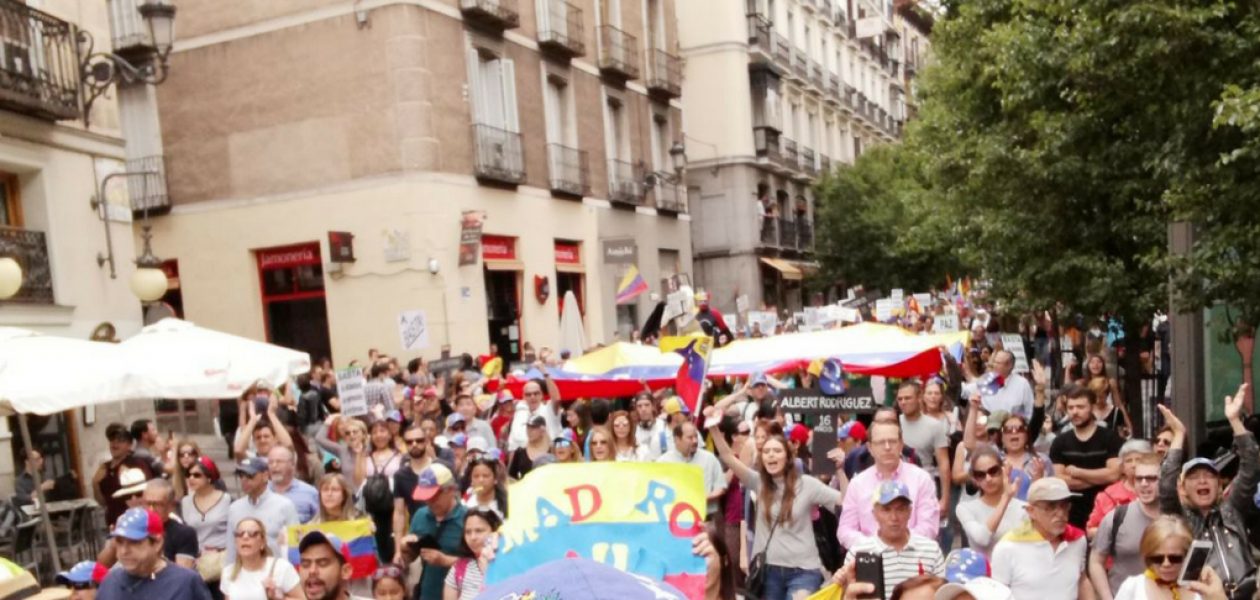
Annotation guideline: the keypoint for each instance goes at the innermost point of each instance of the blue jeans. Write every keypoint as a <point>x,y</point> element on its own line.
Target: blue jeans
<point>783,582</point>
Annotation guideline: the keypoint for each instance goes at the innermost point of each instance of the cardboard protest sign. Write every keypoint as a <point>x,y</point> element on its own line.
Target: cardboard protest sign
<point>1015,344</point>
<point>638,517</point>
<point>946,323</point>
<point>826,411</point>
<point>357,535</point>
<point>350,389</point>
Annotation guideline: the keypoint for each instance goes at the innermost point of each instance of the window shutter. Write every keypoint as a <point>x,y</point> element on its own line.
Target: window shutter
<point>475,95</point>
<point>544,16</point>
<point>507,72</point>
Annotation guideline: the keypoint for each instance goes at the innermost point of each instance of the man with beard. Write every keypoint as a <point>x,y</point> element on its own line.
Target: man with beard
<point>1088,457</point>
<point>324,568</point>
<point>405,480</point>
<point>1194,491</point>
<point>1045,557</point>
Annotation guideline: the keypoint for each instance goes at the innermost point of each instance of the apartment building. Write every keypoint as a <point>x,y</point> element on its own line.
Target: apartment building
<point>75,255</point>
<point>478,159</point>
<point>777,93</point>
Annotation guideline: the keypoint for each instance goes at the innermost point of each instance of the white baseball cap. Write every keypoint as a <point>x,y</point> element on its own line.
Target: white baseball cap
<point>980,588</point>
<point>477,444</point>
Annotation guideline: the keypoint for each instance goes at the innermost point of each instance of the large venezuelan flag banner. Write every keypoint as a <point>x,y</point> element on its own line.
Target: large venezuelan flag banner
<point>638,517</point>
<point>356,534</point>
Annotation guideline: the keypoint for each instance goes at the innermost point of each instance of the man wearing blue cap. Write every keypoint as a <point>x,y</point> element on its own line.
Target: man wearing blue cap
<point>145,573</point>
<point>1199,482</point>
<point>257,500</point>
<point>83,579</point>
<point>438,527</point>
<point>905,554</point>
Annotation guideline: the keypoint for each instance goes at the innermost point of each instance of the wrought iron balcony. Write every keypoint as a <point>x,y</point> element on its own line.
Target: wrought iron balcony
<point>816,75</point>
<point>805,235</point>
<point>670,197</point>
<point>569,170</point>
<point>912,67</point>
<point>39,63</point>
<point>491,14</point>
<point>834,89</point>
<point>30,250</point>
<point>765,99</point>
<point>782,52</point>
<point>850,98</point>
<point>625,182</point>
<point>560,29</point>
<point>787,233</point>
<point>790,156</point>
<point>760,42</point>
<point>769,231</point>
<point>665,78</point>
<point>148,192</point>
<point>807,161</point>
<point>498,154</point>
<point>618,53</point>
<point>766,143</point>
<point>800,64</point>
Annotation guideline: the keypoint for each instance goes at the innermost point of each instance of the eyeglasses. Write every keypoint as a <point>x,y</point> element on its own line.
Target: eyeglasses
<point>1147,478</point>
<point>1014,429</point>
<point>885,443</point>
<point>196,475</point>
<point>563,444</point>
<point>414,441</point>
<point>248,533</point>
<point>1163,441</point>
<point>1159,559</point>
<point>993,471</point>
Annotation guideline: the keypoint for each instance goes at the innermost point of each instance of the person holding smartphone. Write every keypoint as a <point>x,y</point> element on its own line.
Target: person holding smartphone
<point>898,551</point>
<point>1165,547</point>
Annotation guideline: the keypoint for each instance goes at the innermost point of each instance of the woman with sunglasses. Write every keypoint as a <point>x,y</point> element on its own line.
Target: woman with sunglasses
<point>600,440</point>
<point>205,509</point>
<point>1025,464</point>
<point>536,446</point>
<point>995,510</point>
<point>1164,546</point>
<point>466,578</point>
<point>483,488</point>
<point>186,454</point>
<point>256,574</point>
<point>625,442</point>
<point>565,447</point>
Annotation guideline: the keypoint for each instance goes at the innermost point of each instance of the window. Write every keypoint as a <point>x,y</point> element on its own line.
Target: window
<point>492,90</point>
<point>618,140</point>
<point>559,112</point>
<point>610,12</point>
<point>655,25</point>
<point>10,201</point>
<point>661,143</point>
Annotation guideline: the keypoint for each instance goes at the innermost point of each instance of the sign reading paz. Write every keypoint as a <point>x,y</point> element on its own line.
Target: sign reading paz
<point>413,330</point>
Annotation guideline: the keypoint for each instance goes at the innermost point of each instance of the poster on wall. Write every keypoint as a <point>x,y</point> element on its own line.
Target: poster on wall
<point>413,330</point>
<point>470,222</point>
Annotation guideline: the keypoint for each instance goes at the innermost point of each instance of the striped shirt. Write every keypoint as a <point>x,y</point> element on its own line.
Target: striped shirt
<point>920,556</point>
<point>472,582</point>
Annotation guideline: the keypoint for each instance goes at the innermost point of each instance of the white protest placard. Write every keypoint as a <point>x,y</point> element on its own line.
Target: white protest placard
<point>849,315</point>
<point>947,323</point>
<point>898,294</point>
<point>924,300</point>
<point>884,308</point>
<point>350,389</point>
<point>1015,345</point>
<point>741,303</point>
<point>764,320</point>
<point>673,306</point>
<point>413,330</point>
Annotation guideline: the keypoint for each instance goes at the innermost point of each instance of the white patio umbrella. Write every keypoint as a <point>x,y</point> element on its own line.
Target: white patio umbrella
<point>183,360</point>
<point>572,335</point>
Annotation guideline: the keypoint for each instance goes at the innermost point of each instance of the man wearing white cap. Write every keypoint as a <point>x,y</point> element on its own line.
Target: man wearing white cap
<point>1045,557</point>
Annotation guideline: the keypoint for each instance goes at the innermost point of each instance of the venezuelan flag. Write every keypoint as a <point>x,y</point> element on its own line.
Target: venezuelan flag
<point>357,535</point>
<point>631,286</point>
<point>689,381</point>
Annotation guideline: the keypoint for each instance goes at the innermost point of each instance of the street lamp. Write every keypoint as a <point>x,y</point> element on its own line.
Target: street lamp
<point>10,278</point>
<point>678,154</point>
<point>99,70</point>
<point>148,283</point>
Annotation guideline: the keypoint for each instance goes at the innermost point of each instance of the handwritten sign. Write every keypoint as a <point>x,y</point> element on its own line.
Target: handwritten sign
<point>1015,344</point>
<point>637,517</point>
<point>413,330</point>
<point>350,389</point>
<point>946,323</point>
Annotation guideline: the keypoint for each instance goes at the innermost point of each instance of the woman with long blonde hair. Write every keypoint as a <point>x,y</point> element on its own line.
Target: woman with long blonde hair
<point>600,440</point>
<point>256,574</point>
<point>352,443</point>
<point>1164,547</point>
<point>336,499</point>
<point>626,445</point>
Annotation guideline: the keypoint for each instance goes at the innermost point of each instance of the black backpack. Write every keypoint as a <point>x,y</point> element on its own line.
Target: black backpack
<point>378,495</point>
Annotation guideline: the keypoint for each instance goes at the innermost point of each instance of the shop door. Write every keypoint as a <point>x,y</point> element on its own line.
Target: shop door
<point>294,307</point>
<point>503,312</point>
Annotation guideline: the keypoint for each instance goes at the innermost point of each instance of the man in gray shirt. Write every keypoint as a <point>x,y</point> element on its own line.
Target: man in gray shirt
<point>276,512</point>
<point>687,450</point>
<point>1122,545</point>
<point>927,436</point>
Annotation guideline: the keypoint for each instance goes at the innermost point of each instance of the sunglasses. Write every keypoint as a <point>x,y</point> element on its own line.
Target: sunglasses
<point>1163,442</point>
<point>564,444</point>
<point>1159,559</point>
<point>993,471</point>
<point>1147,478</point>
<point>248,533</point>
<point>414,441</point>
<point>1014,429</point>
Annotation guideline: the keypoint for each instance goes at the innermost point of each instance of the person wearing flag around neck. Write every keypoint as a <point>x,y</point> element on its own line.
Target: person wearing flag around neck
<point>1045,557</point>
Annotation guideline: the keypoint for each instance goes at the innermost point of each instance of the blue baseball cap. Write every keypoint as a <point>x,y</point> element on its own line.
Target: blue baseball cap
<point>252,466</point>
<point>431,481</point>
<point>1201,462</point>
<point>759,378</point>
<point>316,537</point>
<point>138,524</point>
<point>965,564</point>
<point>891,490</point>
<point>88,572</point>
<point>459,440</point>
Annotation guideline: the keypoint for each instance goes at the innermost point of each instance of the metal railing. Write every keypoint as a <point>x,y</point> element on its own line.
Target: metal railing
<point>669,197</point>
<point>39,63</point>
<point>148,192</point>
<point>787,233</point>
<point>502,14</point>
<point>619,52</point>
<point>30,249</point>
<point>498,154</point>
<point>560,27</point>
<point>782,51</point>
<point>759,38</point>
<point>666,73</point>
<point>816,74</point>
<point>807,160</point>
<point>625,182</point>
<point>800,64</point>
<point>766,143</point>
<point>790,156</point>
<point>568,170</point>
<point>833,86</point>
<point>804,235</point>
<point>769,231</point>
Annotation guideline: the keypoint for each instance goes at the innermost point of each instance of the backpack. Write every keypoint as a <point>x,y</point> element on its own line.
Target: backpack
<point>378,495</point>
<point>461,569</point>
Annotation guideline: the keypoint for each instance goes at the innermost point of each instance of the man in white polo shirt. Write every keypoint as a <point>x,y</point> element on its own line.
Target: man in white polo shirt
<point>905,554</point>
<point>1013,394</point>
<point>1045,557</point>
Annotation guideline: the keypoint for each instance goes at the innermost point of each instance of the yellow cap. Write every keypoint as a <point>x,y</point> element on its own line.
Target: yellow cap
<point>673,405</point>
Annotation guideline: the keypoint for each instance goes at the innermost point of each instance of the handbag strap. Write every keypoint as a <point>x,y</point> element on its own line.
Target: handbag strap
<point>773,526</point>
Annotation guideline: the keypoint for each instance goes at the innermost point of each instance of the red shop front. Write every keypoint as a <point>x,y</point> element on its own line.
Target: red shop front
<point>292,282</point>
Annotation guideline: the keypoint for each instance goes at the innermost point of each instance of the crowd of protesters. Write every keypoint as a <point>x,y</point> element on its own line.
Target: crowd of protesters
<point>985,484</point>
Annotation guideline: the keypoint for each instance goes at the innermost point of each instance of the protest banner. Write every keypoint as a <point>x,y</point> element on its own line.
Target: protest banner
<point>350,389</point>
<point>357,535</point>
<point>826,411</point>
<point>638,517</point>
<point>1015,344</point>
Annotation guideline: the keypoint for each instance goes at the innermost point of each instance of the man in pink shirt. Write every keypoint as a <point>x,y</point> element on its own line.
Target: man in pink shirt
<point>857,519</point>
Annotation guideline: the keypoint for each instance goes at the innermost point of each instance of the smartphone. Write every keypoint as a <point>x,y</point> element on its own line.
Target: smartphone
<point>870,569</point>
<point>1192,569</point>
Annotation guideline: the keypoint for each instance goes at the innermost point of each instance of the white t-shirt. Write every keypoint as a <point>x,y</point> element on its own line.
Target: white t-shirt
<point>248,585</point>
<point>1134,588</point>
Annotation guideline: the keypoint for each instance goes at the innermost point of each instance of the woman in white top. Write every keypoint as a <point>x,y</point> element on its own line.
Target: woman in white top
<point>466,578</point>
<point>256,574</point>
<point>483,486</point>
<point>995,510</point>
<point>205,509</point>
<point>1164,546</point>
<point>625,442</point>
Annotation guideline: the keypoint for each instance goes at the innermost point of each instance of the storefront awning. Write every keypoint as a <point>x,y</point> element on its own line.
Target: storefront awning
<point>504,265</point>
<point>785,268</point>
<point>807,268</point>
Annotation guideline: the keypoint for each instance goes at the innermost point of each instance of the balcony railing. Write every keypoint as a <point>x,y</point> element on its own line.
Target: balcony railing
<point>800,64</point>
<point>789,153</point>
<point>30,250</point>
<point>766,143</point>
<point>569,170</point>
<point>807,161</point>
<point>760,41</point>
<point>625,182</point>
<point>769,231</point>
<point>618,53</point>
<point>148,192</point>
<point>834,89</point>
<point>665,79</point>
<point>494,14</point>
<point>560,28</point>
<point>498,154</point>
<point>126,26</point>
<point>39,64</point>
<point>669,197</point>
<point>804,235</point>
<point>816,75</point>
<point>787,233</point>
<point>782,51</point>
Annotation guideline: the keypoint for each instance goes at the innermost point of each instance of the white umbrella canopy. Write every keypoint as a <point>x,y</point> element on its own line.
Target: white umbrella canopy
<point>572,336</point>
<point>46,374</point>
<point>183,360</point>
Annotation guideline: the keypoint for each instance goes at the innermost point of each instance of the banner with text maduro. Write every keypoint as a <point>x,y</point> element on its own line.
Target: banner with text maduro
<point>638,517</point>
<point>359,543</point>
